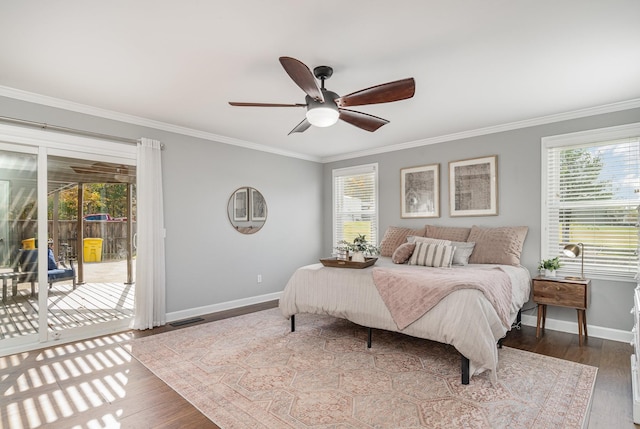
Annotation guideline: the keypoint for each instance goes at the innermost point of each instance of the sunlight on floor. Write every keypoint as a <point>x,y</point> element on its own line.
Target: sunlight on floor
<point>60,383</point>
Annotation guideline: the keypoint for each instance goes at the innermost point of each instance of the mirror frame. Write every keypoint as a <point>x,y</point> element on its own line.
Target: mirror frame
<point>247,210</point>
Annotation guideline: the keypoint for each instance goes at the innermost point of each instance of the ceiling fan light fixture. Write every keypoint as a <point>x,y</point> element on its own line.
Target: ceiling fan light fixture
<point>323,116</point>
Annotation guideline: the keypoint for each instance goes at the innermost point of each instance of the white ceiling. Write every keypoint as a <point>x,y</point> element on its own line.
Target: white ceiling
<point>477,64</point>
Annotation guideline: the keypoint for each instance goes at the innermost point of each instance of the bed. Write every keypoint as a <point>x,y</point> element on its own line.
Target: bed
<point>465,318</point>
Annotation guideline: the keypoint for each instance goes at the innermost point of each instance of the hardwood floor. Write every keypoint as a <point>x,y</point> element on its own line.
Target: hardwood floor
<point>612,404</point>
<point>95,383</point>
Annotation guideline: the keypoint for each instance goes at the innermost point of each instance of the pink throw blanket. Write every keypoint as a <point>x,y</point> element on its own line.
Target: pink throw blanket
<point>410,294</point>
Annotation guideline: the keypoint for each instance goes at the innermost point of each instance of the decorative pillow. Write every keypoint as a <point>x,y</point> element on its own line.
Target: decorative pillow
<point>394,236</point>
<point>415,239</point>
<point>497,245</point>
<point>403,253</point>
<point>451,233</point>
<point>51,261</point>
<point>462,253</point>
<point>432,255</point>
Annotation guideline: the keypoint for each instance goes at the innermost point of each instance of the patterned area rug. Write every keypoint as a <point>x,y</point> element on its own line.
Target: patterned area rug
<point>252,372</point>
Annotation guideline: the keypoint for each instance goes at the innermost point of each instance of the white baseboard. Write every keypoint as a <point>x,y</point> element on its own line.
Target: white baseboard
<point>229,305</point>
<point>572,328</point>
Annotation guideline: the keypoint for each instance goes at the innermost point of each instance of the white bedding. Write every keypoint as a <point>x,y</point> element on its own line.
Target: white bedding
<point>464,319</point>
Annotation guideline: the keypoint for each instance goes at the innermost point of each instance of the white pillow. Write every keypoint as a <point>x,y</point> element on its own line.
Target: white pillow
<point>462,253</point>
<point>416,239</point>
<point>432,255</point>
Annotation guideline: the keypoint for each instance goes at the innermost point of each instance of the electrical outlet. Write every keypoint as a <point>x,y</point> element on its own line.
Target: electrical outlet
<point>259,278</point>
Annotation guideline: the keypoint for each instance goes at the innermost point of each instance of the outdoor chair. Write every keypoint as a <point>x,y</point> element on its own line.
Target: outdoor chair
<point>27,269</point>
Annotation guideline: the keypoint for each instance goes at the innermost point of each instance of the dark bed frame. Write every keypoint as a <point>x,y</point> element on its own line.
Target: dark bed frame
<point>464,362</point>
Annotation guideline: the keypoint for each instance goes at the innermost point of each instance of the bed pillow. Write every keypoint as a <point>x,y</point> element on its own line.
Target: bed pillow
<point>462,253</point>
<point>402,254</point>
<point>432,255</point>
<point>497,245</point>
<point>394,236</point>
<point>451,233</point>
<point>415,239</point>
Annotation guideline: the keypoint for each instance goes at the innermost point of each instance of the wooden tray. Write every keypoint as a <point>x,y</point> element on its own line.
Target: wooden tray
<point>341,263</point>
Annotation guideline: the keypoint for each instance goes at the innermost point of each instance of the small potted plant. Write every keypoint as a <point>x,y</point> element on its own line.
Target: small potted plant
<point>549,266</point>
<point>358,248</point>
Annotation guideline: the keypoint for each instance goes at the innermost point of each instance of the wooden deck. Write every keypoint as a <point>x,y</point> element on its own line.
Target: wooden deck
<point>88,304</point>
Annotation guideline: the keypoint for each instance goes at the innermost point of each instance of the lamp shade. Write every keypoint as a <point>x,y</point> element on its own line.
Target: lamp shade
<point>572,250</point>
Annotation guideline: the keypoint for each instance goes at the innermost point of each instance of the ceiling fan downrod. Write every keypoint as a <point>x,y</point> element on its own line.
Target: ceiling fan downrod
<point>322,73</point>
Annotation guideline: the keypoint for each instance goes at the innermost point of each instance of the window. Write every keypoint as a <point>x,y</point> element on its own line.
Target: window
<point>355,203</point>
<point>591,195</point>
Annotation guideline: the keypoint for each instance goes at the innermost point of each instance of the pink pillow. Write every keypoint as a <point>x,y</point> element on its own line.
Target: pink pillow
<point>403,253</point>
<point>394,236</point>
<point>451,233</point>
<point>497,245</point>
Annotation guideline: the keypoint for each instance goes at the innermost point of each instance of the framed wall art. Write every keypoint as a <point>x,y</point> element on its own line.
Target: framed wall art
<point>473,187</point>
<point>258,206</point>
<point>240,205</point>
<point>420,191</point>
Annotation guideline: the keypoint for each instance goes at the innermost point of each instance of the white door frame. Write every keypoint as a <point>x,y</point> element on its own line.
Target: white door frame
<point>45,143</point>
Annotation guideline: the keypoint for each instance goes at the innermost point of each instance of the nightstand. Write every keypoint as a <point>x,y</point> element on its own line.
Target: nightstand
<point>563,293</point>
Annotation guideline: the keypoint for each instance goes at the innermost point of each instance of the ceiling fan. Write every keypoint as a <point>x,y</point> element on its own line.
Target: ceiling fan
<point>325,107</point>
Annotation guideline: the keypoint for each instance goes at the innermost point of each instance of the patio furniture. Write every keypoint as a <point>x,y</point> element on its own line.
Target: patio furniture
<point>27,271</point>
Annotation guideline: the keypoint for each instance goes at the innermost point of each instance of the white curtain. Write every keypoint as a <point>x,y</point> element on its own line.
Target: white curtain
<point>150,307</point>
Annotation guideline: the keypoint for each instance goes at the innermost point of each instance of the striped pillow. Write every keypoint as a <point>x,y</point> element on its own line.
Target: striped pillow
<point>432,255</point>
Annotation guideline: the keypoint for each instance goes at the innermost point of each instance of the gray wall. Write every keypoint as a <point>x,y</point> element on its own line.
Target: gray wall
<point>208,262</point>
<point>519,166</point>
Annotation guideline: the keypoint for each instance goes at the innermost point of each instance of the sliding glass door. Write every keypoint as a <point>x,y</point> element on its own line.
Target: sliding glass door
<point>91,224</point>
<point>19,322</point>
<point>67,233</point>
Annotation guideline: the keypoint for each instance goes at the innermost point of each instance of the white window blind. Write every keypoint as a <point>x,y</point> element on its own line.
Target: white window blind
<point>355,203</point>
<point>591,197</point>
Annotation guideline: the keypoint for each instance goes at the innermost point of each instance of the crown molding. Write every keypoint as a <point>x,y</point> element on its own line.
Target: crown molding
<point>136,120</point>
<point>542,120</point>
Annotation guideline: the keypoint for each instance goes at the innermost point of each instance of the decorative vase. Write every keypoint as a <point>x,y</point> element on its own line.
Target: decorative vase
<point>357,257</point>
<point>549,273</point>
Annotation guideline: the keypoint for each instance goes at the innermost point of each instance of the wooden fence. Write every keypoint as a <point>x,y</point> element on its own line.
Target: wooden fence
<point>113,234</point>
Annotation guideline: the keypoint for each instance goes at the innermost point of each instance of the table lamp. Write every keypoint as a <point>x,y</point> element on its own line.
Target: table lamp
<point>573,251</point>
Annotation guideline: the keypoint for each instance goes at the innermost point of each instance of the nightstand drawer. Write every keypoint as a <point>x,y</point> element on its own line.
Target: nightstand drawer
<point>555,292</point>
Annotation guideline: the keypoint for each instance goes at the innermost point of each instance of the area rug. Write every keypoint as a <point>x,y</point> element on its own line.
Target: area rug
<point>252,372</point>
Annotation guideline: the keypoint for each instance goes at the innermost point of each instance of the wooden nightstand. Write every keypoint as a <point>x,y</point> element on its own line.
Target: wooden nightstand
<point>563,293</point>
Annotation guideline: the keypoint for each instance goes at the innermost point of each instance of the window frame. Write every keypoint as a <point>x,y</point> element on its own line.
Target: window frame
<point>576,140</point>
<point>355,171</point>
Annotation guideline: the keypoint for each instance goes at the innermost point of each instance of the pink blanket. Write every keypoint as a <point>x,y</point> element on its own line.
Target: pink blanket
<point>409,295</point>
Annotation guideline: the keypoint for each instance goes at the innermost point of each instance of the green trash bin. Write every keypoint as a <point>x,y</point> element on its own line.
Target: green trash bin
<point>92,249</point>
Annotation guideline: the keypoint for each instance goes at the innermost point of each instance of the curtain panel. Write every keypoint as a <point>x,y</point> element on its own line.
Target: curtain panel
<point>150,297</point>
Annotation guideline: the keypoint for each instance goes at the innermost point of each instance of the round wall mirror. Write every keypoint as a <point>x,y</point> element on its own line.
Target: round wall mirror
<point>247,210</point>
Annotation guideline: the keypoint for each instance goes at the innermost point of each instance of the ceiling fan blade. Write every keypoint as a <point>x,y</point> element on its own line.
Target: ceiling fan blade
<point>302,76</point>
<point>362,120</point>
<point>240,104</point>
<point>385,93</point>
<point>301,127</point>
